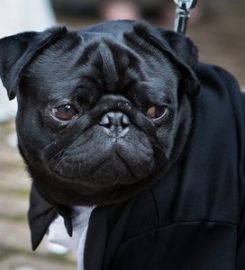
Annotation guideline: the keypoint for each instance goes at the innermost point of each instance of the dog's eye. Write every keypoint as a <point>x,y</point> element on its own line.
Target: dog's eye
<point>156,112</point>
<point>65,112</point>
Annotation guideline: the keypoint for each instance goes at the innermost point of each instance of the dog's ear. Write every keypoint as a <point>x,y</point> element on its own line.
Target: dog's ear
<point>176,47</point>
<point>182,46</point>
<point>187,53</point>
<point>18,50</point>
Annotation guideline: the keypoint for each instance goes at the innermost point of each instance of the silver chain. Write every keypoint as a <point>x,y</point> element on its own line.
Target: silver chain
<point>183,14</point>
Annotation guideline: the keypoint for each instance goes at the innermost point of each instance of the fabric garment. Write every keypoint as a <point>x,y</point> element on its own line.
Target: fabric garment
<point>57,233</point>
<point>193,217</point>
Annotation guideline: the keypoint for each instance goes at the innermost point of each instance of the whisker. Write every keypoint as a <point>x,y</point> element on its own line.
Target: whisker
<point>73,161</point>
<point>59,163</point>
<point>159,148</point>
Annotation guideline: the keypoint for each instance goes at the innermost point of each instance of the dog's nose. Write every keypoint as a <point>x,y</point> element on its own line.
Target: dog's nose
<point>116,123</point>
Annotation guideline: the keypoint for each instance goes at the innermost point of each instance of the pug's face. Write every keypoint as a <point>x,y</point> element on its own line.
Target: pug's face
<point>100,116</point>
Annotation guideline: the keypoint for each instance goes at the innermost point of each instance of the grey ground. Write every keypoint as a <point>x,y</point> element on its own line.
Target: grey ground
<point>15,249</point>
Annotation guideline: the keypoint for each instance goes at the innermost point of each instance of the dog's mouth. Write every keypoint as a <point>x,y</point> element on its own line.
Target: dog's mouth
<point>116,166</point>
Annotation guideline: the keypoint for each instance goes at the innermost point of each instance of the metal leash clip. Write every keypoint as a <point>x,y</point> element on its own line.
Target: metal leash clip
<point>183,14</point>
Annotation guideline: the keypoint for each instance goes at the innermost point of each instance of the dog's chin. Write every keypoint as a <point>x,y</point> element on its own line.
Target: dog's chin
<point>111,181</point>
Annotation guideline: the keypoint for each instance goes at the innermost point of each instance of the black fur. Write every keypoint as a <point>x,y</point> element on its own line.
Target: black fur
<point>119,66</point>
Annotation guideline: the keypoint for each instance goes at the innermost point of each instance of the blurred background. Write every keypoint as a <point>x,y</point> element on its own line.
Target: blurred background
<point>217,27</point>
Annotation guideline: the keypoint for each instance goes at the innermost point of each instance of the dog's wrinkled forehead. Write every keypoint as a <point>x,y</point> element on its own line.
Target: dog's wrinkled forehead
<point>112,47</point>
<point>109,66</point>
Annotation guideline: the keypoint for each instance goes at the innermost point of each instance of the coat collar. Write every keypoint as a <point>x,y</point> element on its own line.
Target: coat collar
<point>105,230</point>
<point>42,213</point>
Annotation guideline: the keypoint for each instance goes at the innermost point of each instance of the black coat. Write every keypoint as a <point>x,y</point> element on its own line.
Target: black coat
<point>193,217</point>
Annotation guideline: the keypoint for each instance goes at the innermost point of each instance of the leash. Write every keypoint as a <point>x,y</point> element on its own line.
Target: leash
<point>183,14</point>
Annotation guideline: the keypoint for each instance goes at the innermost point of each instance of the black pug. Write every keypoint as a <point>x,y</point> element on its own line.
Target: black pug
<point>122,116</point>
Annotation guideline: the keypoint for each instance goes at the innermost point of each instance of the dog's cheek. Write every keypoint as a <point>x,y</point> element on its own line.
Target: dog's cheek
<point>31,134</point>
